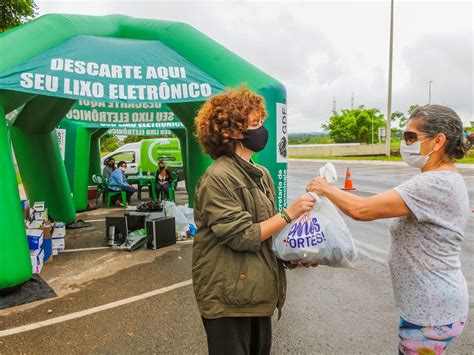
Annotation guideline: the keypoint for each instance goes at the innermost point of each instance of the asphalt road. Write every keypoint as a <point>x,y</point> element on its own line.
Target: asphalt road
<point>328,311</point>
<point>373,238</point>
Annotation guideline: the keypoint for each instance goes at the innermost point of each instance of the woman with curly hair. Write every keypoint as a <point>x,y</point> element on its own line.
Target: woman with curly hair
<point>238,282</point>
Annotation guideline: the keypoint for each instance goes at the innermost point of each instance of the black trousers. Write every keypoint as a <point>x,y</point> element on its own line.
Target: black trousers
<point>239,335</point>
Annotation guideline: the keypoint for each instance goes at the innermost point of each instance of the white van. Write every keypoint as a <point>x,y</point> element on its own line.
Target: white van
<point>146,154</point>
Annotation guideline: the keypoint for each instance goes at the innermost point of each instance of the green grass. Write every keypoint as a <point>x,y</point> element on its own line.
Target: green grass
<point>467,160</point>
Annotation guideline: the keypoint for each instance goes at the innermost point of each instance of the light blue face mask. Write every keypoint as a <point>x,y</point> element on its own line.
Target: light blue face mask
<point>411,154</point>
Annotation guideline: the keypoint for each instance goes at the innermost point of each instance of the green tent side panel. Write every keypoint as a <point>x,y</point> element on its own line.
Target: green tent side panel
<point>95,167</point>
<point>15,262</point>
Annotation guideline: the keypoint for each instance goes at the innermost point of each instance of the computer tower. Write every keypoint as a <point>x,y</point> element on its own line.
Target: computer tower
<point>161,232</point>
<point>116,230</point>
<point>135,222</point>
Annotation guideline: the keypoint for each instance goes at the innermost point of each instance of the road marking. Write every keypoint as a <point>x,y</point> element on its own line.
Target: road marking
<point>371,257</point>
<point>94,220</point>
<point>370,247</point>
<point>365,249</point>
<point>189,241</point>
<point>85,249</point>
<point>87,312</point>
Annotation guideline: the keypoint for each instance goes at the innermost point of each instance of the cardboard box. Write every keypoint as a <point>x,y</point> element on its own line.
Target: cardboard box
<point>25,207</point>
<point>35,252</point>
<point>24,204</point>
<point>35,225</point>
<point>26,213</point>
<point>59,230</point>
<point>58,244</point>
<point>37,261</point>
<point>35,238</point>
<point>39,212</point>
<point>47,230</point>
<point>48,249</point>
<point>39,206</point>
<point>40,215</point>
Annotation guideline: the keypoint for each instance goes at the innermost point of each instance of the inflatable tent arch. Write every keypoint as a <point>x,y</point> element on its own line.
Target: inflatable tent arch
<point>43,103</point>
<point>80,124</point>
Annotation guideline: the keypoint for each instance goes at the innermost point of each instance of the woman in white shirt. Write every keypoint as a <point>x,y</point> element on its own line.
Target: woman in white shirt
<point>432,210</point>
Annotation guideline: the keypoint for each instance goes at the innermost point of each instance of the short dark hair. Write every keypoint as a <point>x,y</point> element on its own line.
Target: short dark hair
<point>121,162</point>
<point>436,119</point>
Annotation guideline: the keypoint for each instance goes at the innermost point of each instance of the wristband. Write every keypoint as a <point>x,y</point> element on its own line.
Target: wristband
<point>282,215</point>
<point>286,216</point>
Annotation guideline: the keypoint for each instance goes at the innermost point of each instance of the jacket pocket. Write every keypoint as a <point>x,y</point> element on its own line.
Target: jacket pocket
<point>249,281</point>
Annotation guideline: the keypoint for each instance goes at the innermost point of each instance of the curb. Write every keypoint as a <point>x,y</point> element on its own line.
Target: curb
<point>372,162</point>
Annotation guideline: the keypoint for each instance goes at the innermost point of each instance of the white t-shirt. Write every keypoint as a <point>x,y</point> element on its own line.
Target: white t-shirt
<point>424,260</point>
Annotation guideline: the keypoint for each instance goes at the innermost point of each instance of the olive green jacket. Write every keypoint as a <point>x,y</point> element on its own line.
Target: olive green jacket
<point>235,273</point>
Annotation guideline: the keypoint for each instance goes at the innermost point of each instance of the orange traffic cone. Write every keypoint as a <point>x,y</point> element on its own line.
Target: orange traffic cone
<point>348,182</point>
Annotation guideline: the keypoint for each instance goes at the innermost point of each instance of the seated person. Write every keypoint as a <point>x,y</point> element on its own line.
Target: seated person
<point>117,182</point>
<point>108,168</point>
<point>164,177</point>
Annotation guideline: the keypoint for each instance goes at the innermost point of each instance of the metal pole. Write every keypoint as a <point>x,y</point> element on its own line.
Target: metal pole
<point>429,97</point>
<point>372,122</point>
<point>389,101</point>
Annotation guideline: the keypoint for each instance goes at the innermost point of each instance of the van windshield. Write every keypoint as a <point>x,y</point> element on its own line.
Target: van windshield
<point>128,157</point>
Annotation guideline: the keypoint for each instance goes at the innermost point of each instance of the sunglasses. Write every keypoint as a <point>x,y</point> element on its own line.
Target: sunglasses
<point>410,137</point>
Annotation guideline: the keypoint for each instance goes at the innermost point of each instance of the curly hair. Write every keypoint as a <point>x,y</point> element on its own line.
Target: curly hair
<point>226,116</point>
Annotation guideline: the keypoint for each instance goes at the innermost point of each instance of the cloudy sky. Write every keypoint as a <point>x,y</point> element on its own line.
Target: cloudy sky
<point>325,49</point>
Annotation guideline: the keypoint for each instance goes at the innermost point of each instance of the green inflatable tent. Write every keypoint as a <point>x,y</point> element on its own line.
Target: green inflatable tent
<point>52,62</point>
<point>90,120</point>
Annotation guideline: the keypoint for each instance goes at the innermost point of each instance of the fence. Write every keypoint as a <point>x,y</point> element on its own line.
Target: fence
<point>328,150</point>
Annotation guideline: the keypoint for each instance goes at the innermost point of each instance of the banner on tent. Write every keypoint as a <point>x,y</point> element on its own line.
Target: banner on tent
<point>111,70</point>
<point>118,114</point>
<point>281,189</point>
<point>139,132</point>
<point>61,133</point>
<point>281,155</point>
<point>281,133</point>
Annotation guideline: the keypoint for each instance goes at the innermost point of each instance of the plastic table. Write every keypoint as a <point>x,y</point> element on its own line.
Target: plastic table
<point>144,180</point>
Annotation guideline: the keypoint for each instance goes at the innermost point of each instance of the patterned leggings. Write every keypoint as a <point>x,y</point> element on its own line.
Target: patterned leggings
<point>419,340</point>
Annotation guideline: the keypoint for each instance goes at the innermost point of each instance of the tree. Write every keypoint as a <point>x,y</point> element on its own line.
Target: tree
<point>402,122</point>
<point>412,109</point>
<point>132,139</point>
<point>357,125</point>
<point>305,138</point>
<point>15,12</point>
<point>109,143</point>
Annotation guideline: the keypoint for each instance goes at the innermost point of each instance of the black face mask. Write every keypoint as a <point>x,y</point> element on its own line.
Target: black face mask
<point>162,167</point>
<point>255,139</point>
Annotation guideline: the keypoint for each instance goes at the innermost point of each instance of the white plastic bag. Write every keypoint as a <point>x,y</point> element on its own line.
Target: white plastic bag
<point>183,216</point>
<point>319,236</point>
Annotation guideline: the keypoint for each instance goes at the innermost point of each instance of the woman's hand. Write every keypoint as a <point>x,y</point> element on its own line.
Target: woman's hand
<point>302,204</point>
<point>306,265</point>
<point>318,185</point>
